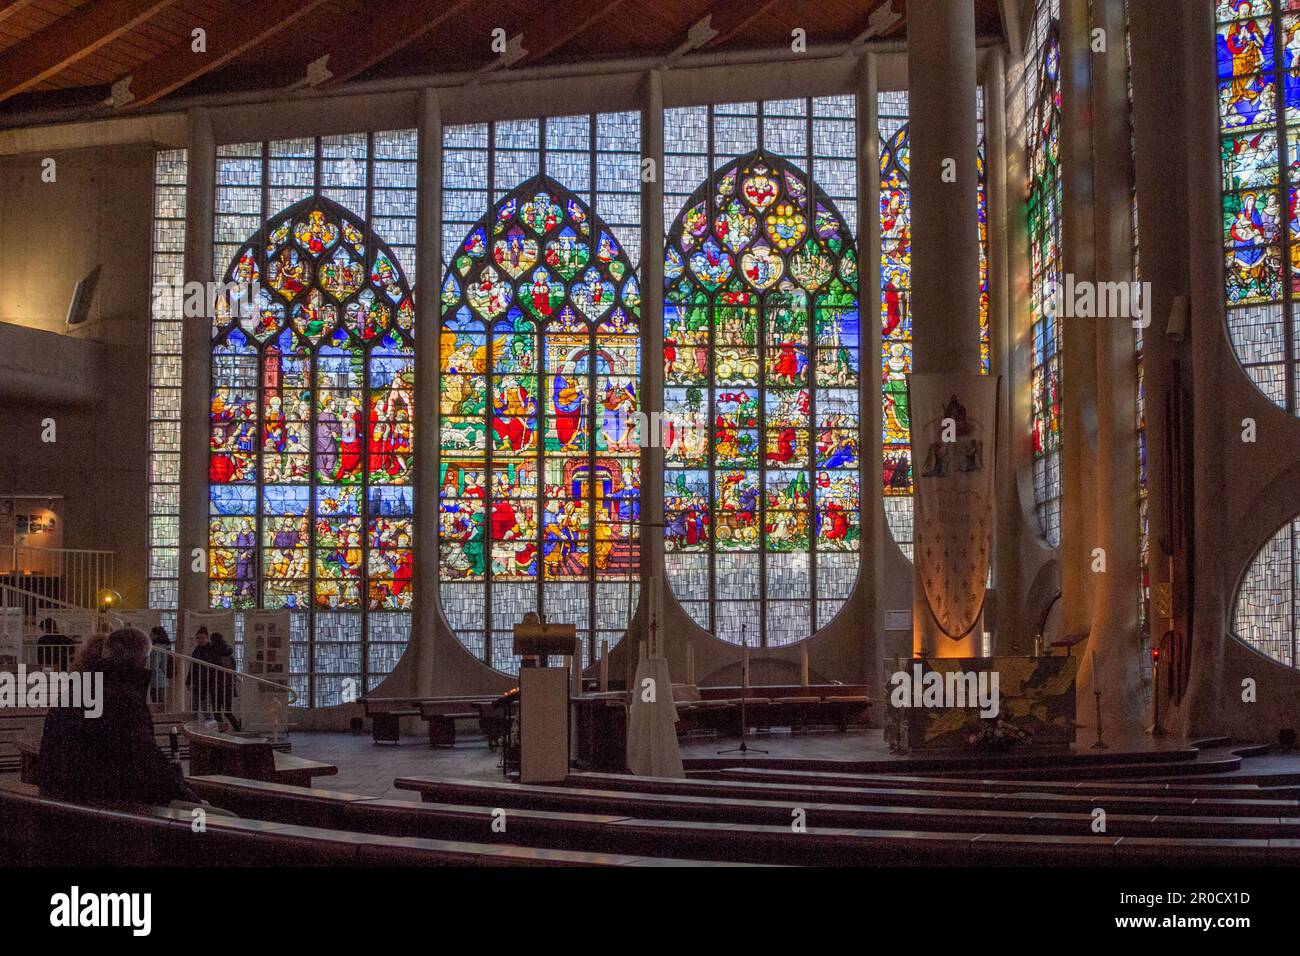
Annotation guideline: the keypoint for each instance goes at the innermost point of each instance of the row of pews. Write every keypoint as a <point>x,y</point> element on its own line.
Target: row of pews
<point>773,812</point>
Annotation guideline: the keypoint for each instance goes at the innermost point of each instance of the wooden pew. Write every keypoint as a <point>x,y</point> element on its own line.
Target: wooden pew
<point>42,831</point>
<point>386,715</point>
<point>895,842</point>
<point>252,757</point>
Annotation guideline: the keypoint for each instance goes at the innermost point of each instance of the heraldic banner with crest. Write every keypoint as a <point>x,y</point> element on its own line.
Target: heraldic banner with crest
<point>954,433</point>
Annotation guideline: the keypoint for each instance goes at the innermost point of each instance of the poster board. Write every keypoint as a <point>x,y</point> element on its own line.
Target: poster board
<point>79,624</point>
<point>266,646</point>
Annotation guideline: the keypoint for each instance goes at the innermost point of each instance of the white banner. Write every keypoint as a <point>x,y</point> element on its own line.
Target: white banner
<point>954,431</point>
<point>11,638</point>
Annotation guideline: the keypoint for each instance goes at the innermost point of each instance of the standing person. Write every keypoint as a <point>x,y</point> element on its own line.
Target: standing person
<point>201,680</point>
<point>54,650</point>
<point>223,655</point>
<point>160,665</point>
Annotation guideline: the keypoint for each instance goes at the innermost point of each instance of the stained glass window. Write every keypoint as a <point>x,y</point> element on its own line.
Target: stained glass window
<point>1258,46</point>
<point>895,302</point>
<point>1043,130</point>
<point>1268,603</point>
<point>761,365</point>
<point>312,400</point>
<point>540,483</point>
<point>165,323</point>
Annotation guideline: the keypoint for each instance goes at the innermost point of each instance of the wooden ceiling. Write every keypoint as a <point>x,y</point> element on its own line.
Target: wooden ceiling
<point>107,56</point>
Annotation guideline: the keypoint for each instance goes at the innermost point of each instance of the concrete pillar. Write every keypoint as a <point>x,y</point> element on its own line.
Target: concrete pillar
<point>1160,131</point>
<point>428,270</point>
<point>652,361</point>
<point>196,370</point>
<point>945,245</point>
<point>1215,432</point>
<point>870,491</point>
<point>1114,635</point>
<point>1004,349</point>
<point>1079,413</point>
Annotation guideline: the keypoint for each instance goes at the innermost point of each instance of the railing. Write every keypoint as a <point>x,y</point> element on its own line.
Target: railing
<point>244,702</point>
<point>57,576</point>
<point>188,687</point>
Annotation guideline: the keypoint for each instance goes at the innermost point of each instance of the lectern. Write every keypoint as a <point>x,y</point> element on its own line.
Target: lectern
<point>544,702</point>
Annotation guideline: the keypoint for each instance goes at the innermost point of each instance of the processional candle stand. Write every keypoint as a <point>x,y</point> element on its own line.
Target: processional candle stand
<point>1096,690</point>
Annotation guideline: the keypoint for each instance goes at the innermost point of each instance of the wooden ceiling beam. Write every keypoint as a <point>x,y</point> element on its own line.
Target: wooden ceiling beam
<point>723,21</point>
<point>9,7</point>
<point>179,64</point>
<point>548,33</point>
<point>370,40</point>
<point>70,39</point>
<point>886,19</point>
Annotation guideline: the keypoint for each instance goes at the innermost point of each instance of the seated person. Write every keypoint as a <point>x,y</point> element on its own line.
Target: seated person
<point>53,650</point>
<point>112,758</point>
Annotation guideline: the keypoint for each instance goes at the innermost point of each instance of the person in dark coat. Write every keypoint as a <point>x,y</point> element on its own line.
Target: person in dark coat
<point>223,655</point>
<point>112,758</point>
<point>54,650</point>
<point>202,681</point>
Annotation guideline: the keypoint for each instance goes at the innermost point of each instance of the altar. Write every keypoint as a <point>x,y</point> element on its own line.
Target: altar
<point>980,705</point>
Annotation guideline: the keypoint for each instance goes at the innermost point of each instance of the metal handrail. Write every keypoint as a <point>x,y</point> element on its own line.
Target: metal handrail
<point>239,675</point>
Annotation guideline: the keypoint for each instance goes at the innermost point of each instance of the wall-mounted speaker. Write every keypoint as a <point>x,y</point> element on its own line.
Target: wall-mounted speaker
<point>1177,319</point>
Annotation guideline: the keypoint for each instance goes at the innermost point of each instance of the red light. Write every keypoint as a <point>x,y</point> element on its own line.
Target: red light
<point>1155,653</point>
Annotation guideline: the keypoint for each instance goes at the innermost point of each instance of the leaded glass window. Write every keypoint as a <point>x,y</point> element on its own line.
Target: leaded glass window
<point>1043,129</point>
<point>312,404</point>
<point>1268,603</point>
<point>761,365</point>
<point>165,330</point>
<point>539,506</point>
<point>895,302</point>
<point>1258,49</point>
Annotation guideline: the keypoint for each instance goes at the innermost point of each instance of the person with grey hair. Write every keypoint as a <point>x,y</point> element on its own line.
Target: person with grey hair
<point>112,758</point>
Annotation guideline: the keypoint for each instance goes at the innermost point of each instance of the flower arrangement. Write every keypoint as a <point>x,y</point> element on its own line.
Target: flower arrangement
<point>1000,735</point>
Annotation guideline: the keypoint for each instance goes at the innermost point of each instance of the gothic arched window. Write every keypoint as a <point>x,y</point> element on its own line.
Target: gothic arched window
<point>540,463</point>
<point>1258,48</point>
<point>761,353</point>
<point>312,403</point>
<point>1043,119</point>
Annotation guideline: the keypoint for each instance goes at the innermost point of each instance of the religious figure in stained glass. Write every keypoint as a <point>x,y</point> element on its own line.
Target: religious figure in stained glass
<point>540,440</point>
<point>761,365</point>
<point>311,420</point>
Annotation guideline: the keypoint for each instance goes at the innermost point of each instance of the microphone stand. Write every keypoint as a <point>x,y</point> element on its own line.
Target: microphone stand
<point>744,747</point>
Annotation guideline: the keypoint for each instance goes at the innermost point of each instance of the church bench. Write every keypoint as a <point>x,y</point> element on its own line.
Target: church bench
<point>386,713</point>
<point>689,802</point>
<point>29,748</point>
<point>970,839</point>
<point>252,757</point>
<point>580,825</point>
<point>1206,788</point>
<point>43,831</point>
<point>441,717</point>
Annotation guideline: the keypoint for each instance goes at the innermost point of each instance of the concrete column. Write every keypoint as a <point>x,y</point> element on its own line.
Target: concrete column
<point>945,245</point>
<point>428,270</point>
<point>196,370</point>
<point>870,490</point>
<point>1160,131</point>
<point>1216,431</point>
<point>652,355</point>
<point>1114,635</point>
<point>1079,411</point>
<point>1004,345</point>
